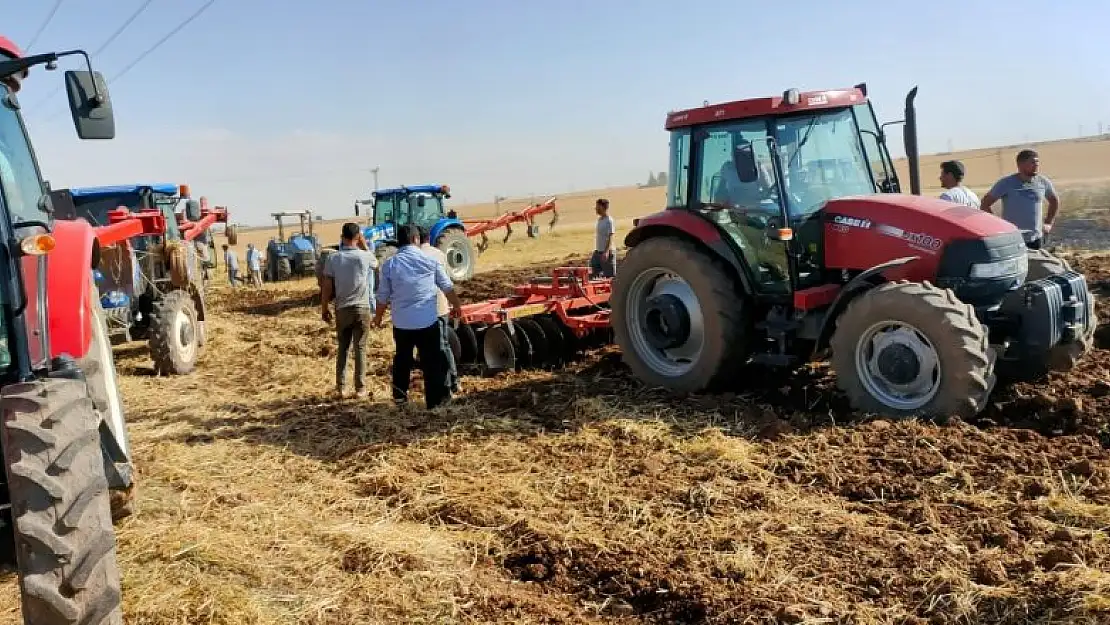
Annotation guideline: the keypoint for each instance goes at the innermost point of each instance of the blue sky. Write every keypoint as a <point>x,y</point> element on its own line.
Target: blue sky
<point>283,104</point>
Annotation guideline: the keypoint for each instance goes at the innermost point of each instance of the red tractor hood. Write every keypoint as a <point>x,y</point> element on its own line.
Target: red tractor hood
<point>864,231</point>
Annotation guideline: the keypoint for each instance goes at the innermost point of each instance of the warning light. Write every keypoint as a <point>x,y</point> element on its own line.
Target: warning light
<point>37,244</point>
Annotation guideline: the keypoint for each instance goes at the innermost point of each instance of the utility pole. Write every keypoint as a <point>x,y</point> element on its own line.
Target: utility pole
<point>375,172</point>
<point>497,199</point>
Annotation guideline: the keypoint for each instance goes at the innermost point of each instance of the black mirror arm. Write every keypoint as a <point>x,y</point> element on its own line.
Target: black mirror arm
<point>12,66</point>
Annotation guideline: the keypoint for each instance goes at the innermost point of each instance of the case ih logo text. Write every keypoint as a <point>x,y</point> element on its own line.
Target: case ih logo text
<point>853,222</point>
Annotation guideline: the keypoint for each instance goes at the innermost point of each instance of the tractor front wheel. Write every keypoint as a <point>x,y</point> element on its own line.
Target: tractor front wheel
<point>678,316</point>
<point>460,253</point>
<point>284,269</point>
<point>64,543</point>
<point>908,349</point>
<point>174,343</point>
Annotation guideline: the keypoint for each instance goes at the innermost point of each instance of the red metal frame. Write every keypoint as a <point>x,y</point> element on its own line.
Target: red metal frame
<point>479,227</point>
<point>570,289</point>
<point>193,229</point>
<point>759,107</point>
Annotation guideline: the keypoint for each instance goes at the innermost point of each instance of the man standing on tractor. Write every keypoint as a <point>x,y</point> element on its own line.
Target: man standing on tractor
<point>254,264</point>
<point>603,261</point>
<point>346,276</point>
<point>232,262</point>
<point>1023,196</point>
<point>443,309</point>
<point>951,178</point>
<point>408,284</point>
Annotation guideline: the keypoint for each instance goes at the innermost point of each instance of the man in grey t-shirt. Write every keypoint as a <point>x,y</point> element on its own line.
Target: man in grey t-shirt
<point>603,261</point>
<point>1023,196</point>
<point>347,276</point>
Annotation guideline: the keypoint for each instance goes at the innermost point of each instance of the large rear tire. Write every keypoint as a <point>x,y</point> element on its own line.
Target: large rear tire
<point>284,269</point>
<point>909,349</point>
<point>460,253</point>
<point>99,367</point>
<point>1042,264</point>
<point>65,545</point>
<point>174,338</point>
<point>679,317</point>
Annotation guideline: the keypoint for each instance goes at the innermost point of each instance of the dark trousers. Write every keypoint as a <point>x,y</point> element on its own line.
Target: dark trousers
<point>352,323</point>
<point>429,344</point>
<point>605,268</point>
<point>452,370</point>
<point>1034,244</point>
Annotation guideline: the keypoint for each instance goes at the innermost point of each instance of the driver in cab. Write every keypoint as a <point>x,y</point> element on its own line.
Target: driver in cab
<point>735,193</point>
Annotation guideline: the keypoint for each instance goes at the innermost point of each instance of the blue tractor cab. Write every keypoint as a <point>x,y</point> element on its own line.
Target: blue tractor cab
<point>295,256</point>
<point>421,205</point>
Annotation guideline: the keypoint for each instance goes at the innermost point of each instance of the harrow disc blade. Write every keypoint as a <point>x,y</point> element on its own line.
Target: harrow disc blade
<point>537,338</point>
<point>498,350</point>
<point>569,340</point>
<point>468,345</point>
<point>554,337</point>
<point>523,347</point>
<point>454,343</point>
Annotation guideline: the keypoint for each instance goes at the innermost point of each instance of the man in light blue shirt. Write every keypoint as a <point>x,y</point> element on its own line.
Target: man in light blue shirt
<point>1023,196</point>
<point>254,264</point>
<point>408,284</point>
<point>232,265</point>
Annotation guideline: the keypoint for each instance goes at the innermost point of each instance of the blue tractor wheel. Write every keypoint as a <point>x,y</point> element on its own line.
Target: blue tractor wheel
<point>460,253</point>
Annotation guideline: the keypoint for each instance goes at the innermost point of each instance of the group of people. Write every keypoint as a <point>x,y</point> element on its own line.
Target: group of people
<point>1024,195</point>
<point>254,265</point>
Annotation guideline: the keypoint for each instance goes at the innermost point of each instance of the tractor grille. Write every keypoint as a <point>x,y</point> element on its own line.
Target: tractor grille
<point>958,258</point>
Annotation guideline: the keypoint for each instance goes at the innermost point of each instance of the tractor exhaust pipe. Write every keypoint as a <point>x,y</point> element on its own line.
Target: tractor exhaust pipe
<point>909,139</point>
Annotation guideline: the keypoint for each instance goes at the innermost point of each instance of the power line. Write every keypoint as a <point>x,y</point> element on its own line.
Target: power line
<point>111,38</point>
<point>45,23</point>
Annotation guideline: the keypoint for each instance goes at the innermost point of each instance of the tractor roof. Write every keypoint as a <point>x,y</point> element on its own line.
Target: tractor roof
<point>124,189</point>
<point>420,188</point>
<point>791,101</point>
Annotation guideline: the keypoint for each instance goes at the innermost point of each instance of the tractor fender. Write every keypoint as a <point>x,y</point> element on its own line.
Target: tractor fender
<point>865,281</point>
<point>68,301</point>
<point>697,229</point>
<point>442,226</point>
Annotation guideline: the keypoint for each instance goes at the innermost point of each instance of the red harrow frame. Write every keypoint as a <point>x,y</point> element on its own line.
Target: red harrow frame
<point>544,323</point>
<point>479,227</point>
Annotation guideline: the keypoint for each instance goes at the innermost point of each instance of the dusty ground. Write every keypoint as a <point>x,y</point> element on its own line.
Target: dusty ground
<point>581,497</point>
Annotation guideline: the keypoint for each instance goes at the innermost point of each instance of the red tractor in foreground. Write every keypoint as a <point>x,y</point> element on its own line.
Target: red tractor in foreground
<point>63,439</point>
<point>786,237</point>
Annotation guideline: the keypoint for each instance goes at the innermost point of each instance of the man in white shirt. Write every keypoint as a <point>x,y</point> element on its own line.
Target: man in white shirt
<point>951,178</point>
<point>443,309</point>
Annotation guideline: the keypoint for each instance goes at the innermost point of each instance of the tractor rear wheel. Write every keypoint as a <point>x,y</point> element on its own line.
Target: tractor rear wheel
<point>65,545</point>
<point>1042,264</point>
<point>460,254</point>
<point>173,334</point>
<point>909,349</point>
<point>284,269</point>
<point>679,316</point>
<point>99,367</point>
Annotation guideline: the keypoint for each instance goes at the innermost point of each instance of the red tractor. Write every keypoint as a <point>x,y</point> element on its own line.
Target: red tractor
<point>63,439</point>
<point>785,237</point>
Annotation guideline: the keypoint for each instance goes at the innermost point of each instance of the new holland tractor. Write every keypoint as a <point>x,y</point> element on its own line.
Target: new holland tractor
<point>295,256</point>
<point>785,239</point>
<point>63,439</point>
<point>152,279</point>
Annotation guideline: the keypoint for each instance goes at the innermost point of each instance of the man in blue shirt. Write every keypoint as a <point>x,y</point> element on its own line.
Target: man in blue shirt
<point>1023,196</point>
<point>232,265</point>
<point>345,277</point>
<point>254,264</point>
<point>408,284</point>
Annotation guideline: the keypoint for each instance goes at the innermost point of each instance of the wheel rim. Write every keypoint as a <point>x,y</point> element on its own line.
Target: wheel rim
<point>898,365</point>
<point>456,258</point>
<point>185,335</point>
<point>657,299</point>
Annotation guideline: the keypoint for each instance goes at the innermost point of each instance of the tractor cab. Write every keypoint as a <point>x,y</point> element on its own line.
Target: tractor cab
<point>765,173</point>
<point>421,205</point>
<point>94,203</point>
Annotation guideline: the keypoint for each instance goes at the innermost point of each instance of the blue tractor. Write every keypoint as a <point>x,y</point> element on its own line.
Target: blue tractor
<point>421,205</point>
<point>295,256</point>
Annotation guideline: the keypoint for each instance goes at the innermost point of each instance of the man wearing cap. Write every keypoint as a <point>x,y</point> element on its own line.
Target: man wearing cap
<point>951,178</point>
<point>1023,196</point>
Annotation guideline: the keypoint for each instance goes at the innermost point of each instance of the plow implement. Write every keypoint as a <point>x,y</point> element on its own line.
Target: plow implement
<point>479,227</point>
<point>543,324</point>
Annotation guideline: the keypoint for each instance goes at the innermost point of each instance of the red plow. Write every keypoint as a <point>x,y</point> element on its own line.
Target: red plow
<point>479,227</point>
<point>543,324</point>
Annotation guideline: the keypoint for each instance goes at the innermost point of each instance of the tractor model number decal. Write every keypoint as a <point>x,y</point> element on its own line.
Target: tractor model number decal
<point>916,240</point>
<point>817,100</point>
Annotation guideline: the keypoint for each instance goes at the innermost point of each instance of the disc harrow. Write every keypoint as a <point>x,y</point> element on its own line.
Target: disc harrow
<point>545,324</point>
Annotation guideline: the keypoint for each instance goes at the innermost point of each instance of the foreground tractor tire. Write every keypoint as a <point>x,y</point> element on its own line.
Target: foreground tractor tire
<point>678,316</point>
<point>174,338</point>
<point>99,367</point>
<point>65,546</point>
<point>284,270</point>
<point>1042,264</point>
<point>909,349</point>
<point>460,252</point>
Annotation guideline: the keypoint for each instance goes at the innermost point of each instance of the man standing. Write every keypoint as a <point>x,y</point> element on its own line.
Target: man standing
<point>346,276</point>
<point>1023,197</point>
<point>408,283</point>
<point>603,261</point>
<point>254,264</point>
<point>232,262</point>
<point>951,178</point>
<point>443,309</point>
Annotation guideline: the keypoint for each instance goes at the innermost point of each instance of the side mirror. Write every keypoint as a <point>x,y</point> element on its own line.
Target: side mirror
<point>192,210</point>
<point>420,201</point>
<point>90,105</point>
<point>356,209</point>
<point>743,160</point>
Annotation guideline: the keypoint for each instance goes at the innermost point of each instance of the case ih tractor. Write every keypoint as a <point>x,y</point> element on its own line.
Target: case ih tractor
<point>293,257</point>
<point>150,269</point>
<point>786,237</point>
<point>63,439</point>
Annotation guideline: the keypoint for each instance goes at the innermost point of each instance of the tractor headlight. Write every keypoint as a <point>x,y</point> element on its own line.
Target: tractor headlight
<point>1017,266</point>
